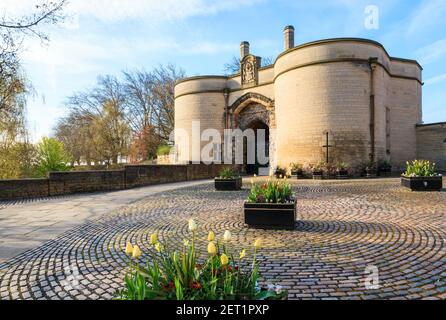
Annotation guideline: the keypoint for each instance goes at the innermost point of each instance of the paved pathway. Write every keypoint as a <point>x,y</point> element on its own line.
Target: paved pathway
<point>343,229</point>
<point>25,224</point>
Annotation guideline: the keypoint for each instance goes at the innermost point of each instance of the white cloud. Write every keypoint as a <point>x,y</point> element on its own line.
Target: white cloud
<point>435,80</point>
<point>71,54</point>
<point>116,10</point>
<point>427,14</point>
<point>432,52</point>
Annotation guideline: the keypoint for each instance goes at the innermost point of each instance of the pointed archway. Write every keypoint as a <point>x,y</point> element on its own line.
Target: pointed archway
<point>255,112</point>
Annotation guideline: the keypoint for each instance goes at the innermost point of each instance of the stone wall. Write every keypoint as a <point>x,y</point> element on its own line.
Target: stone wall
<point>85,181</point>
<point>317,87</point>
<point>59,183</point>
<point>136,176</point>
<point>431,143</point>
<point>24,188</point>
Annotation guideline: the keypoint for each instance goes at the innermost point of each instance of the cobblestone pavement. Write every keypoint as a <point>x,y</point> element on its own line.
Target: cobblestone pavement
<point>342,229</point>
<point>26,224</point>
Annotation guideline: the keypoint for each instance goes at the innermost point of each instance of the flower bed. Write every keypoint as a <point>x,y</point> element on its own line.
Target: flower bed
<point>421,175</point>
<point>318,170</point>
<point>385,168</point>
<point>342,170</point>
<point>280,172</point>
<point>228,180</point>
<point>271,205</point>
<point>179,275</point>
<point>297,170</point>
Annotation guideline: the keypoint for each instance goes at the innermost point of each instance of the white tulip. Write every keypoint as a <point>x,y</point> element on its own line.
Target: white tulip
<point>227,236</point>
<point>192,225</point>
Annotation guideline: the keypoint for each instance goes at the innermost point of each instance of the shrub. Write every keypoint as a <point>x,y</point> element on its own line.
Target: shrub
<point>279,171</point>
<point>51,156</point>
<point>342,166</point>
<point>420,168</point>
<point>271,192</point>
<point>370,165</point>
<point>178,275</point>
<point>163,150</point>
<point>384,164</point>
<point>318,167</point>
<point>296,167</point>
<point>228,173</point>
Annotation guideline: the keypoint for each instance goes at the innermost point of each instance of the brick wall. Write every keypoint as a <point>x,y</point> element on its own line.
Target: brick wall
<point>59,183</point>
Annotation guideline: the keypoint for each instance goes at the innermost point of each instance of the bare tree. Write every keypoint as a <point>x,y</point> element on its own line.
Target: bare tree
<point>150,107</point>
<point>16,153</point>
<point>12,30</point>
<point>46,12</point>
<point>99,114</point>
<point>140,106</point>
<point>233,66</point>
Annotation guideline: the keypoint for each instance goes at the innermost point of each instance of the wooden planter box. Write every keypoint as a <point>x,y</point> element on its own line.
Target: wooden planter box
<point>423,183</point>
<point>228,184</point>
<point>299,174</point>
<point>370,173</point>
<point>318,175</point>
<point>385,172</point>
<point>342,174</point>
<point>270,215</point>
<point>280,175</point>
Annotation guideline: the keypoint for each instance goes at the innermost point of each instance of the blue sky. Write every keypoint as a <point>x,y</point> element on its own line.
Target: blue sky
<point>107,36</point>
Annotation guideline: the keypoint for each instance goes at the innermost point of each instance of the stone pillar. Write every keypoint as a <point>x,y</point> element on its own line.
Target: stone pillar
<point>244,49</point>
<point>289,37</point>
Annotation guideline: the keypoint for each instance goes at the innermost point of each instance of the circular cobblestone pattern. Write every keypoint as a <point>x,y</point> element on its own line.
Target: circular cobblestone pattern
<point>347,232</point>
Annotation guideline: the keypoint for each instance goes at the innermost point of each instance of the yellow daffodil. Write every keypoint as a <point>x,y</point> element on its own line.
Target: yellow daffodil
<point>257,243</point>
<point>136,252</point>
<point>224,260</point>
<point>255,175</point>
<point>252,181</point>
<point>186,243</point>
<point>227,235</point>
<point>129,249</point>
<point>192,225</point>
<point>153,238</point>
<point>242,254</point>
<point>212,249</point>
<point>158,247</point>
<point>211,236</point>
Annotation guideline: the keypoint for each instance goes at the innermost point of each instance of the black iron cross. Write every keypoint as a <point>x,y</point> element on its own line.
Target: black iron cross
<point>327,146</point>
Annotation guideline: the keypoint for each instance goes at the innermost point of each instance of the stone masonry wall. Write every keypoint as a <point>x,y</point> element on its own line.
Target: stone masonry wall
<point>59,183</point>
<point>431,144</point>
<point>23,188</point>
<point>85,181</point>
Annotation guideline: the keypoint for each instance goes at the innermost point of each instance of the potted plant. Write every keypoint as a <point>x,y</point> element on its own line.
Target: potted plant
<point>182,274</point>
<point>271,205</point>
<point>318,170</point>
<point>342,170</point>
<point>297,169</point>
<point>370,169</point>
<point>421,175</point>
<point>228,180</point>
<point>280,172</point>
<point>329,171</point>
<point>384,168</point>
